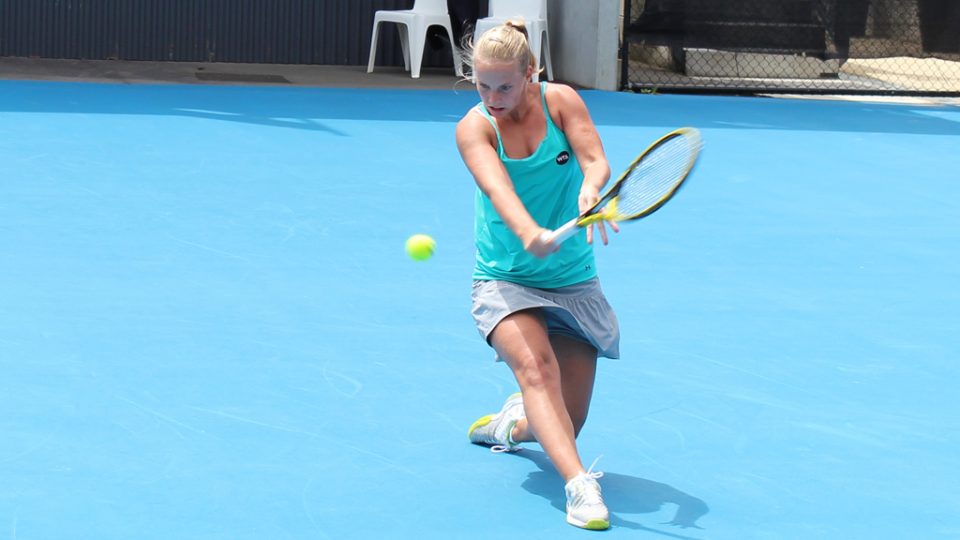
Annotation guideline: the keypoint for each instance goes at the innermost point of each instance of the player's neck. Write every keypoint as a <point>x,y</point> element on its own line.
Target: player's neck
<point>531,99</point>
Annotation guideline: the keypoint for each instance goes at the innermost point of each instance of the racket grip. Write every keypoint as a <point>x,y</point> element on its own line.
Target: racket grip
<point>565,231</point>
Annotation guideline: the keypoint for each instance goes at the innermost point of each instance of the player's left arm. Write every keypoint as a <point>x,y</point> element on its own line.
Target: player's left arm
<point>576,124</point>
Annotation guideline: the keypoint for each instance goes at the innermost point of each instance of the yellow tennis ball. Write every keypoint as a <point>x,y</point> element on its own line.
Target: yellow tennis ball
<point>420,247</point>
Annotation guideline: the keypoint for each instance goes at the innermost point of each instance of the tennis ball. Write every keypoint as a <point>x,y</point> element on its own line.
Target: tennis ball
<point>420,247</point>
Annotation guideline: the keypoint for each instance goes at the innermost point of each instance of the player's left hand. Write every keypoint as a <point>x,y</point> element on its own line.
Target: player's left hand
<point>589,197</point>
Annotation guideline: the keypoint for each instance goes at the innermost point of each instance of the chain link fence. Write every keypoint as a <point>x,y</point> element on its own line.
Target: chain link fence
<point>817,46</point>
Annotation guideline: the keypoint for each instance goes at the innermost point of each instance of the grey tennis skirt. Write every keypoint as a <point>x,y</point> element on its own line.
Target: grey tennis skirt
<point>579,311</point>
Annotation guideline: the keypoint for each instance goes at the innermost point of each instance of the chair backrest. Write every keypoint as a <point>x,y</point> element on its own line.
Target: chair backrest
<point>434,7</point>
<point>528,9</point>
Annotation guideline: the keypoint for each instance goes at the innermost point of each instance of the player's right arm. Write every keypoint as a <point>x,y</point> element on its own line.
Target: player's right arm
<point>477,142</point>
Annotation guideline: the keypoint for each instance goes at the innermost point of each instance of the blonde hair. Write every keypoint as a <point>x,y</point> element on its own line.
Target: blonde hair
<point>504,43</point>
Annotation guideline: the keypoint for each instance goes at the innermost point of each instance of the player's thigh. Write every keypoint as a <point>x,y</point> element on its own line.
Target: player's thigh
<point>521,340</point>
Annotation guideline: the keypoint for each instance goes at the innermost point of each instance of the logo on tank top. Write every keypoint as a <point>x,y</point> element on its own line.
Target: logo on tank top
<point>563,158</point>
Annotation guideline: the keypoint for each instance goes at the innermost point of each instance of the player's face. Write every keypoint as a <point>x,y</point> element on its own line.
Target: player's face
<point>501,85</point>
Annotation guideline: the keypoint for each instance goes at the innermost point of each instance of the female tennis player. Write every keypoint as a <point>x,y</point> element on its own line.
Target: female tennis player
<point>538,162</point>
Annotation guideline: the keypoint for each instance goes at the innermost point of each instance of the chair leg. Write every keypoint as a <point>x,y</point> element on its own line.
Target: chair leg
<point>404,44</point>
<point>419,37</point>
<point>457,61</point>
<point>373,47</point>
<point>546,55</point>
<point>535,49</point>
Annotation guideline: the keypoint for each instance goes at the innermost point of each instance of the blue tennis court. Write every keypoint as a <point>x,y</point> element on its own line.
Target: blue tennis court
<point>209,328</point>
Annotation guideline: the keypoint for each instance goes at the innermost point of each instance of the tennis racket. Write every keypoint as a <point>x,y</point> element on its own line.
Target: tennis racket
<point>647,184</point>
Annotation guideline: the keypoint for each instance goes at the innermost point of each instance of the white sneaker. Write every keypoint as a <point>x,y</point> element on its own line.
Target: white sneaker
<point>495,429</point>
<point>585,508</point>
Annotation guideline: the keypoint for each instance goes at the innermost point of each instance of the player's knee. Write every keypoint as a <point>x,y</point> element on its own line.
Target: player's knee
<point>536,371</point>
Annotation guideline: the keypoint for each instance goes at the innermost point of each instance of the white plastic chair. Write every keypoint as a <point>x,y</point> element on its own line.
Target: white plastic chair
<point>412,24</point>
<point>534,15</point>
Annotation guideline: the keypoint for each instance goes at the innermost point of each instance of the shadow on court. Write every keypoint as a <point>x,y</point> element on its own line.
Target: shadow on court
<point>293,108</point>
<point>302,108</point>
<point>623,494</point>
<point>736,113</point>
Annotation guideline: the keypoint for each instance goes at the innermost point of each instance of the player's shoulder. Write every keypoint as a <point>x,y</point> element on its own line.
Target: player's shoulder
<point>473,125</point>
<point>562,94</point>
<point>564,103</point>
<point>560,88</point>
<point>473,119</point>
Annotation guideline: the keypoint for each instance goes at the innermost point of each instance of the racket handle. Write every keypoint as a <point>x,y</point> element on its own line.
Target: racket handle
<point>565,231</point>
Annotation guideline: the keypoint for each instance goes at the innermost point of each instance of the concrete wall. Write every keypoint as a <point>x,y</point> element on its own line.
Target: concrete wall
<point>585,42</point>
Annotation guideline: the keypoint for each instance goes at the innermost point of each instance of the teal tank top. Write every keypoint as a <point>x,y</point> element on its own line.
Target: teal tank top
<point>548,183</point>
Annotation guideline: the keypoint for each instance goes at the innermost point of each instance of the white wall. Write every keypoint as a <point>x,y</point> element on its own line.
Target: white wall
<point>585,41</point>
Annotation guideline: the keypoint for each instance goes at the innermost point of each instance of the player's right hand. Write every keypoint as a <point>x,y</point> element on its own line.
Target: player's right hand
<point>535,245</point>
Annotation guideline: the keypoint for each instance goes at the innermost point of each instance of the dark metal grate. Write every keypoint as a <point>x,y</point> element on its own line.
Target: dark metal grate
<point>320,32</point>
<point>819,46</point>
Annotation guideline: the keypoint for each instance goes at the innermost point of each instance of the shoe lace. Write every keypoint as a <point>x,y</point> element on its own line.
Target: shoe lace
<point>590,472</point>
<point>590,493</point>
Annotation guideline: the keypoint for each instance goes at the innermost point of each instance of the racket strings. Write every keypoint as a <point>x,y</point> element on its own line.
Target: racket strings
<point>656,176</point>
